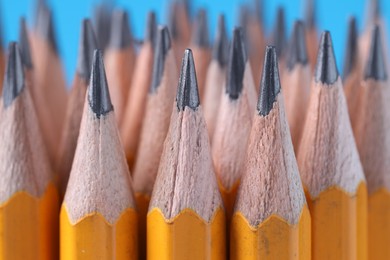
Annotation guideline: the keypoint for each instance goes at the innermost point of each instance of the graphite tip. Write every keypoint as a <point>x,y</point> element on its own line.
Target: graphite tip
<point>297,52</point>
<point>45,27</point>
<point>24,44</point>
<point>326,69</point>
<point>120,30</point>
<point>200,35</point>
<point>374,12</point>
<point>351,48</point>
<point>310,14</point>
<point>236,65</point>
<point>14,75</point>
<point>221,46</point>
<point>279,34</point>
<point>151,28</point>
<point>376,65</point>
<point>187,90</point>
<point>163,45</point>
<point>102,23</point>
<point>87,46</point>
<point>98,94</point>
<point>270,82</point>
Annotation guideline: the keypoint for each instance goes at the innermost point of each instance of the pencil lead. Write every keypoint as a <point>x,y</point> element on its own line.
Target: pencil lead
<point>120,31</point>
<point>374,11</point>
<point>98,94</point>
<point>236,64</point>
<point>297,51</point>
<point>376,65</point>
<point>151,28</point>
<point>24,44</point>
<point>172,18</point>
<point>310,14</point>
<point>101,19</point>
<point>280,32</point>
<point>220,47</point>
<point>45,27</point>
<point>187,91</point>
<point>14,76</point>
<point>163,45</point>
<point>351,50</point>
<point>326,69</point>
<point>87,46</point>
<point>270,82</point>
<point>200,36</point>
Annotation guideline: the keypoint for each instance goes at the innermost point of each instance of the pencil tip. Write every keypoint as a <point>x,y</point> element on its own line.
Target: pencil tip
<point>24,44</point>
<point>297,50</point>
<point>14,75</point>
<point>279,35</point>
<point>220,47</point>
<point>326,69</point>
<point>151,28</point>
<point>200,35</point>
<point>87,46</point>
<point>351,49</point>
<point>243,16</point>
<point>376,65</point>
<point>98,94</point>
<point>163,45</point>
<point>270,82</point>
<point>310,14</point>
<point>187,91</point>
<point>101,18</point>
<point>374,11</point>
<point>45,27</point>
<point>236,64</point>
<point>120,30</point>
<point>259,7</point>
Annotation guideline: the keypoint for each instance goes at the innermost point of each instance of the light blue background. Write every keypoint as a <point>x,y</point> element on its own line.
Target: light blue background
<point>332,15</point>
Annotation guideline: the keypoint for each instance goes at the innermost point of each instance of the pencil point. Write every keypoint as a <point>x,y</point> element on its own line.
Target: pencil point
<point>326,69</point>
<point>376,66</point>
<point>98,94</point>
<point>101,18</point>
<point>120,31</point>
<point>310,14</point>
<point>187,91</point>
<point>279,35</point>
<point>297,51</point>
<point>14,75</point>
<point>270,82</point>
<point>87,46</point>
<point>351,50</point>
<point>374,11</point>
<point>24,44</point>
<point>259,7</point>
<point>220,48</point>
<point>200,35</point>
<point>151,28</point>
<point>236,64</point>
<point>45,27</point>
<point>163,45</point>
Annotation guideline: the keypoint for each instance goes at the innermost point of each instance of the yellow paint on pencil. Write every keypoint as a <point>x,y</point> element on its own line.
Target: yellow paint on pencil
<point>142,201</point>
<point>186,236</point>
<point>92,237</point>
<point>379,224</point>
<point>339,224</point>
<point>274,238</point>
<point>229,198</point>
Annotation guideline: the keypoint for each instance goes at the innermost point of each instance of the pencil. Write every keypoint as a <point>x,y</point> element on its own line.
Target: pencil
<point>311,31</point>
<point>28,197</point>
<point>101,19</point>
<point>352,70</point>
<point>186,219</point>
<point>68,143</point>
<point>201,48</point>
<point>136,100</point>
<point>25,54</point>
<point>215,77</point>
<point>155,127</point>
<point>373,142</point>
<point>180,26</point>
<point>120,58</point>
<point>98,217</point>
<point>330,168</point>
<point>279,38</point>
<point>234,122</point>
<point>271,219</point>
<point>296,81</point>
<point>50,88</point>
